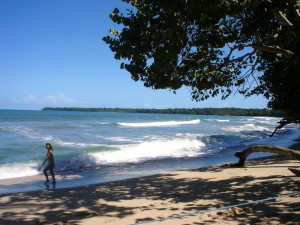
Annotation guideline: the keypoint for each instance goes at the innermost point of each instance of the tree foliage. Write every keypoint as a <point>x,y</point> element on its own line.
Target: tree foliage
<point>213,46</point>
<point>189,111</point>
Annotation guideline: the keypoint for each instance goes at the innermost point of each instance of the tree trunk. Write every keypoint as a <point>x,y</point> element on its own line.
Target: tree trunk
<point>265,148</point>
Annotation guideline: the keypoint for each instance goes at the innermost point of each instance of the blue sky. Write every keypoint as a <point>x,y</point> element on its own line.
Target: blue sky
<point>52,54</point>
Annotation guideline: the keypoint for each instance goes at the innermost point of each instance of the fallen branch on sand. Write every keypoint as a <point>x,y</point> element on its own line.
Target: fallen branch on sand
<point>265,148</point>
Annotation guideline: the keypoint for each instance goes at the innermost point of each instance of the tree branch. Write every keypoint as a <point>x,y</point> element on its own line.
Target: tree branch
<point>229,46</point>
<point>244,56</point>
<point>298,12</point>
<point>284,122</point>
<point>272,49</point>
<point>281,17</point>
<point>265,148</point>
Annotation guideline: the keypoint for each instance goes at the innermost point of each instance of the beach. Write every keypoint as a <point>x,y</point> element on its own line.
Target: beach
<point>139,200</point>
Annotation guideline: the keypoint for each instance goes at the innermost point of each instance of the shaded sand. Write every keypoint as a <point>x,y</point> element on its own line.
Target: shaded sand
<point>163,195</point>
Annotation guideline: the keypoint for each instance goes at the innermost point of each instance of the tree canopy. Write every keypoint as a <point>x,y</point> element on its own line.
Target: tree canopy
<point>215,47</point>
<point>190,111</point>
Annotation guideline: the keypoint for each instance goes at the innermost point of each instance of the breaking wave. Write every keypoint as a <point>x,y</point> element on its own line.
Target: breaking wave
<point>245,127</point>
<point>156,149</point>
<point>160,124</point>
<point>218,120</point>
<point>13,170</point>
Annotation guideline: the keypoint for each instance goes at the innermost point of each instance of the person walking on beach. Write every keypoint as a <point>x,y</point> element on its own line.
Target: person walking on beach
<point>51,165</point>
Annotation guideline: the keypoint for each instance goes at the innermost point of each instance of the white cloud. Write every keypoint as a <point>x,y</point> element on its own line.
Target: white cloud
<point>60,98</point>
<point>28,99</point>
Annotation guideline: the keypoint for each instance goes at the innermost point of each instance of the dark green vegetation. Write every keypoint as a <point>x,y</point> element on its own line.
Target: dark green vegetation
<point>194,111</point>
<point>215,47</point>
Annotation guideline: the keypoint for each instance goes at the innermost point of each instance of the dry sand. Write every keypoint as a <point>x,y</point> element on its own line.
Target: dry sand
<point>168,194</point>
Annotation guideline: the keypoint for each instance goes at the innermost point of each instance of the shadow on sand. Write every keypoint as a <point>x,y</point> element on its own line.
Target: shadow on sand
<point>68,206</point>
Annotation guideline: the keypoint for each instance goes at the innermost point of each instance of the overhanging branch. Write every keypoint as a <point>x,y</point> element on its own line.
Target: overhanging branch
<point>244,56</point>
<point>284,122</point>
<point>272,49</point>
<point>282,18</point>
<point>257,47</point>
<point>297,12</point>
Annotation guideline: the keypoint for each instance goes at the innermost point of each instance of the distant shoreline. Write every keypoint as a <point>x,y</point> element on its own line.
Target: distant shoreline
<point>188,111</point>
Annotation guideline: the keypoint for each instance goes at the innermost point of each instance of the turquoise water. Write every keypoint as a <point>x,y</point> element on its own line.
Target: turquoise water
<point>89,140</point>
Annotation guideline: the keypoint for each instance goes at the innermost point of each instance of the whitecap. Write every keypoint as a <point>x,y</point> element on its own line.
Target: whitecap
<point>266,120</point>
<point>103,123</point>
<point>246,127</point>
<point>118,139</point>
<point>30,133</point>
<point>155,149</point>
<point>160,124</point>
<point>218,120</point>
<point>75,144</point>
<point>13,170</point>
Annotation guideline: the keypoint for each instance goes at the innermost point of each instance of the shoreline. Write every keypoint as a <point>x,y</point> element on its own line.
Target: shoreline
<point>166,194</point>
<point>85,177</point>
<point>114,151</point>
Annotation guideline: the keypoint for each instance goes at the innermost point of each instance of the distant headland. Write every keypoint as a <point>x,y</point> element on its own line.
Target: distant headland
<point>190,111</point>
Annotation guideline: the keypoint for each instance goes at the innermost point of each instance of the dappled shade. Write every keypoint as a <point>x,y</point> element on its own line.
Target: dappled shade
<point>140,199</point>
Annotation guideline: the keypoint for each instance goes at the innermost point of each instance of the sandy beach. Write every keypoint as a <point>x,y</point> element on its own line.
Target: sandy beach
<point>141,199</point>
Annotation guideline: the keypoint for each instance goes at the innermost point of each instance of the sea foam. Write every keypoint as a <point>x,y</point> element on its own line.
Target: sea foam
<point>245,127</point>
<point>217,120</point>
<point>31,134</point>
<point>13,170</point>
<point>155,149</point>
<point>160,124</point>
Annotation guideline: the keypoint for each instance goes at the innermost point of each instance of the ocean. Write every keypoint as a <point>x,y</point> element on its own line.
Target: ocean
<point>127,143</point>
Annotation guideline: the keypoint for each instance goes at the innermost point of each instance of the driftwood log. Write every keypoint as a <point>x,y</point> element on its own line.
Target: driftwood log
<point>265,148</point>
<point>270,148</point>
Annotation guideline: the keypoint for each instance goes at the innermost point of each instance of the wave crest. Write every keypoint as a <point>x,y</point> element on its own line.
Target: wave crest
<point>13,170</point>
<point>160,124</point>
<point>163,148</point>
<point>246,127</point>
